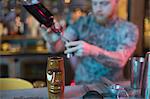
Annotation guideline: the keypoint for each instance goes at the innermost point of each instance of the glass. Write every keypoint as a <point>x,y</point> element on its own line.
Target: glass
<point>55,77</point>
<point>119,91</point>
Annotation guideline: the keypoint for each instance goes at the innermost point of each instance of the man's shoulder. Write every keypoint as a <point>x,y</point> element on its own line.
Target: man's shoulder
<point>129,27</point>
<point>127,24</point>
<point>84,19</point>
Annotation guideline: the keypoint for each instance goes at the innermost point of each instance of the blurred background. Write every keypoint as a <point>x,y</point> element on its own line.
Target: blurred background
<point>23,53</point>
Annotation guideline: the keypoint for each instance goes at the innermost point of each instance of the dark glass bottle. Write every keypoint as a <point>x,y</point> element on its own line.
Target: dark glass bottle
<point>41,13</point>
<point>44,16</point>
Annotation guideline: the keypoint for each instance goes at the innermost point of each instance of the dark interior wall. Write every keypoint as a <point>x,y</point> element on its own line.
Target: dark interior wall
<point>136,10</point>
<point>137,14</point>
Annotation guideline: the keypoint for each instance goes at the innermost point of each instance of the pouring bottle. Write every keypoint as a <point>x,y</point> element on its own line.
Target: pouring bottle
<point>44,16</point>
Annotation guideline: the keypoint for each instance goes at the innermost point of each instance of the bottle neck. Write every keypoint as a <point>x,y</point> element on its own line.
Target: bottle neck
<point>31,2</point>
<point>54,29</point>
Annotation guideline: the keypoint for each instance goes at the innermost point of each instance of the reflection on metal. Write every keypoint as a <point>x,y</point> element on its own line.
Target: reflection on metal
<point>145,92</point>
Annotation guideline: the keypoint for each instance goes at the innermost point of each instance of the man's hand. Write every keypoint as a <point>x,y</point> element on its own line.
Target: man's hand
<point>48,35</point>
<point>79,48</point>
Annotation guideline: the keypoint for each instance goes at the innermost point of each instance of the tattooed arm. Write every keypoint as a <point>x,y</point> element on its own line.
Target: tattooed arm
<point>124,50</point>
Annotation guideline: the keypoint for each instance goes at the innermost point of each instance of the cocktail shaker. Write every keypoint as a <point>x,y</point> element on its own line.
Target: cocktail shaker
<point>145,92</point>
<point>136,72</point>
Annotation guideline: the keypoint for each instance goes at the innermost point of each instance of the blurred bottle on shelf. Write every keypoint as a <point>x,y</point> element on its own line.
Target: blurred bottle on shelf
<point>10,17</point>
<point>32,25</point>
<point>3,29</point>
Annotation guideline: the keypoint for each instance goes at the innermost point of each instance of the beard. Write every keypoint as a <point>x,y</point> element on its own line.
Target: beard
<point>104,19</point>
<point>101,19</point>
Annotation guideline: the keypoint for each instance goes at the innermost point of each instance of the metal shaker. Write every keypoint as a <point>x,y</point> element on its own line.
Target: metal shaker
<point>145,92</point>
<point>136,72</point>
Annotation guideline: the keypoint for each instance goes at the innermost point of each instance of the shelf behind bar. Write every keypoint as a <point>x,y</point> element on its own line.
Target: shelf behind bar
<point>19,37</point>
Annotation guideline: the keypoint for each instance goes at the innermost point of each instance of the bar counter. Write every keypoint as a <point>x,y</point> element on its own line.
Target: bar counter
<point>71,92</point>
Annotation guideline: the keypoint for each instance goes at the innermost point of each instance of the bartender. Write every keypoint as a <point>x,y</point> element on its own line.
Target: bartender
<point>101,43</point>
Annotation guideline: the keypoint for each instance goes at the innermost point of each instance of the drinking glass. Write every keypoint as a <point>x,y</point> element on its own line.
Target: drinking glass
<point>119,91</point>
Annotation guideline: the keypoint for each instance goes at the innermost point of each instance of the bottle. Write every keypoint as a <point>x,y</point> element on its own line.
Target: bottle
<point>55,77</point>
<point>44,16</point>
<point>41,13</point>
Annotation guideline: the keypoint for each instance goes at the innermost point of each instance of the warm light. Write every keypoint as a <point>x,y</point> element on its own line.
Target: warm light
<point>72,83</point>
<point>67,1</point>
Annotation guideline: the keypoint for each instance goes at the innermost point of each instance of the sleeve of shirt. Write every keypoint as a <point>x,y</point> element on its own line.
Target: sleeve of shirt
<point>124,50</point>
<point>70,33</point>
<point>128,45</point>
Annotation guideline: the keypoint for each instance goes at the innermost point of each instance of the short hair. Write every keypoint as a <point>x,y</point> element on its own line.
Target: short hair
<point>83,5</point>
